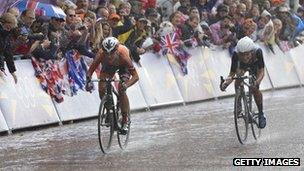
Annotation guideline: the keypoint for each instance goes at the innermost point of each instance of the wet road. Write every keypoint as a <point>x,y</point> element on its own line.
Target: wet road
<point>197,136</point>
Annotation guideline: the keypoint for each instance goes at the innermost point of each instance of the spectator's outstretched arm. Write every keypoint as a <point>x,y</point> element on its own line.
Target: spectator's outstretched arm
<point>9,59</point>
<point>42,52</point>
<point>124,28</point>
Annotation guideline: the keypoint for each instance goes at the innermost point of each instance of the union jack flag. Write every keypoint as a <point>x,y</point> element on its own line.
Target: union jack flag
<point>169,44</point>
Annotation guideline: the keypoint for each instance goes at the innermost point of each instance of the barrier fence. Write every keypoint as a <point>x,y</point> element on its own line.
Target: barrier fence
<point>161,83</point>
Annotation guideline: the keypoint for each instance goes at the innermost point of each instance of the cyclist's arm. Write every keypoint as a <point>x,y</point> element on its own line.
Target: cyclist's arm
<point>128,63</point>
<point>260,75</point>
<point>261,66</point>
<point>95,64</point>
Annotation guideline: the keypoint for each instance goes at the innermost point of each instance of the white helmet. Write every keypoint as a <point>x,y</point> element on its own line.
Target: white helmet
<point>109,44</point>
<point>245,44</point>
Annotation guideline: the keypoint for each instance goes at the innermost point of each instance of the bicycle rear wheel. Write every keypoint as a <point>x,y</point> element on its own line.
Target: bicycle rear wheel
<point>123,139</point>
<point>105,127</point>
<point>241,117</point>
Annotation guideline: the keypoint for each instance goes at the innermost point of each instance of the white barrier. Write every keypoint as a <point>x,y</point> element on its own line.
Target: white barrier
<point>25,104</point>
<point>280,67</point>
<point>3,125</point>
<point>196,85</point>
<point>136,98</point>
<point>82,105</point>
<point>157,81</point>
<point>298,57</point>
<point>218,64</point>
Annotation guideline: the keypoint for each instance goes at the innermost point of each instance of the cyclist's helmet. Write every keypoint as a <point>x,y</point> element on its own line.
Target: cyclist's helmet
<point>245,44</point>
<point>109,44</point>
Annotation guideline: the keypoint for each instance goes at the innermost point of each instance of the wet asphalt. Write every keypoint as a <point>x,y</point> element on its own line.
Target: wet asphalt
<point>198,136</point>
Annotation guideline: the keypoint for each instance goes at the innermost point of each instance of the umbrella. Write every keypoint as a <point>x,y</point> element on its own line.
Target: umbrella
<point>41,9</point>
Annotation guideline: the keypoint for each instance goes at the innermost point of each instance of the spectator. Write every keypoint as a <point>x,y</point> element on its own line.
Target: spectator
<point>300,13</point>
<point>112,9</point>
<point>254,13</point>
<point>118,30</point>
<point>7,22</point>
<point>232,9</point>
<point>102,12</point>
<point>37,26</point>
<point>124,9</point>
<point>189,33</point>
<point>102,30</point>
<point>82,8</point>
<point>27,18</point>
<point>222,11</point>
<point>240,14</point>
<point>266,31</point>
<point>137,37</point>
<point>289,25</point>
<point>176,20</point>
<point>203,5</point>
<point>249,29</point>
<point>15,11</point>
<point>70,18</point>
<point>248,4</point>
<point>277,26</point>
<point>221,34</point>
<point>153,16</point>
<point>185,6</point>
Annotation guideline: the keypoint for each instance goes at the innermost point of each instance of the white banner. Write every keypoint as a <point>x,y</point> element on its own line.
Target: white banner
<point>218,63</point>
<point>157,81</point>
<point>298,58</point>
<point>196,85</point>
<point>25,104</point>
<point>281,67</point>
<point>3,125</point>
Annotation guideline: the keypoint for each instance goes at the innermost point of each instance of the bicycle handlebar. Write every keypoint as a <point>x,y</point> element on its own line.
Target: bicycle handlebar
<point>106,80</point>
<point>242,78</point>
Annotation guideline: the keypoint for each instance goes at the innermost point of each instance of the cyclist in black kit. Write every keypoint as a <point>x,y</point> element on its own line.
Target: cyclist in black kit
<point>248,57</point>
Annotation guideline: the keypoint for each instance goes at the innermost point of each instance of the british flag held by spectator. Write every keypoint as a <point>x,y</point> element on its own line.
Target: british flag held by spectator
<point>171,44</point>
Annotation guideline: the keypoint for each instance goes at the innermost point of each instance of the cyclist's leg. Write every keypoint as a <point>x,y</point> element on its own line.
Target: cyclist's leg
<point>102,85</point>
<point>236,86</point>
<point>124,100</point>
<point>258,98</point>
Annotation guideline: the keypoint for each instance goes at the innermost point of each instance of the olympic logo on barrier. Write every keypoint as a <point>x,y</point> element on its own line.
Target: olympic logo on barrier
<point>26,92</point>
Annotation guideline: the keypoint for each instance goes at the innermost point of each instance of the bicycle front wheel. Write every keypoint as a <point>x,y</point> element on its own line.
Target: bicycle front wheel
<point>123,137</point>
<point>241,117</point>
<point>105,127</point>
<point>256,130</point>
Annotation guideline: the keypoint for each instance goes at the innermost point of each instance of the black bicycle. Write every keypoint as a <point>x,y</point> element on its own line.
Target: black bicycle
<point>110,118</point>
<point>243,114</point>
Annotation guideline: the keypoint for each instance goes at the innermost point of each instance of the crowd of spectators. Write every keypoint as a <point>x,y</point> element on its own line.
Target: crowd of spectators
<point>140,24</point>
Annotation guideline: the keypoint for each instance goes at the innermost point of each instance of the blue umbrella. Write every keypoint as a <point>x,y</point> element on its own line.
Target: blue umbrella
<point>41,9</point>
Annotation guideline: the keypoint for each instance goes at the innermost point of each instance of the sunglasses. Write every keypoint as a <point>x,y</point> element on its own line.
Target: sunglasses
<point>72,15</point>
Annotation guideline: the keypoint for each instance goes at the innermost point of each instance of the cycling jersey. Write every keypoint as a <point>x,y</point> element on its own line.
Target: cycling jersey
<point>257,62</point>
<point>119,60</point>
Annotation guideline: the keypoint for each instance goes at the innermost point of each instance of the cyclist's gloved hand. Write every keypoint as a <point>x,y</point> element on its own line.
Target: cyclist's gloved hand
<point>89,84</point>
<point>225,83</point>
<point>223,86</point>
